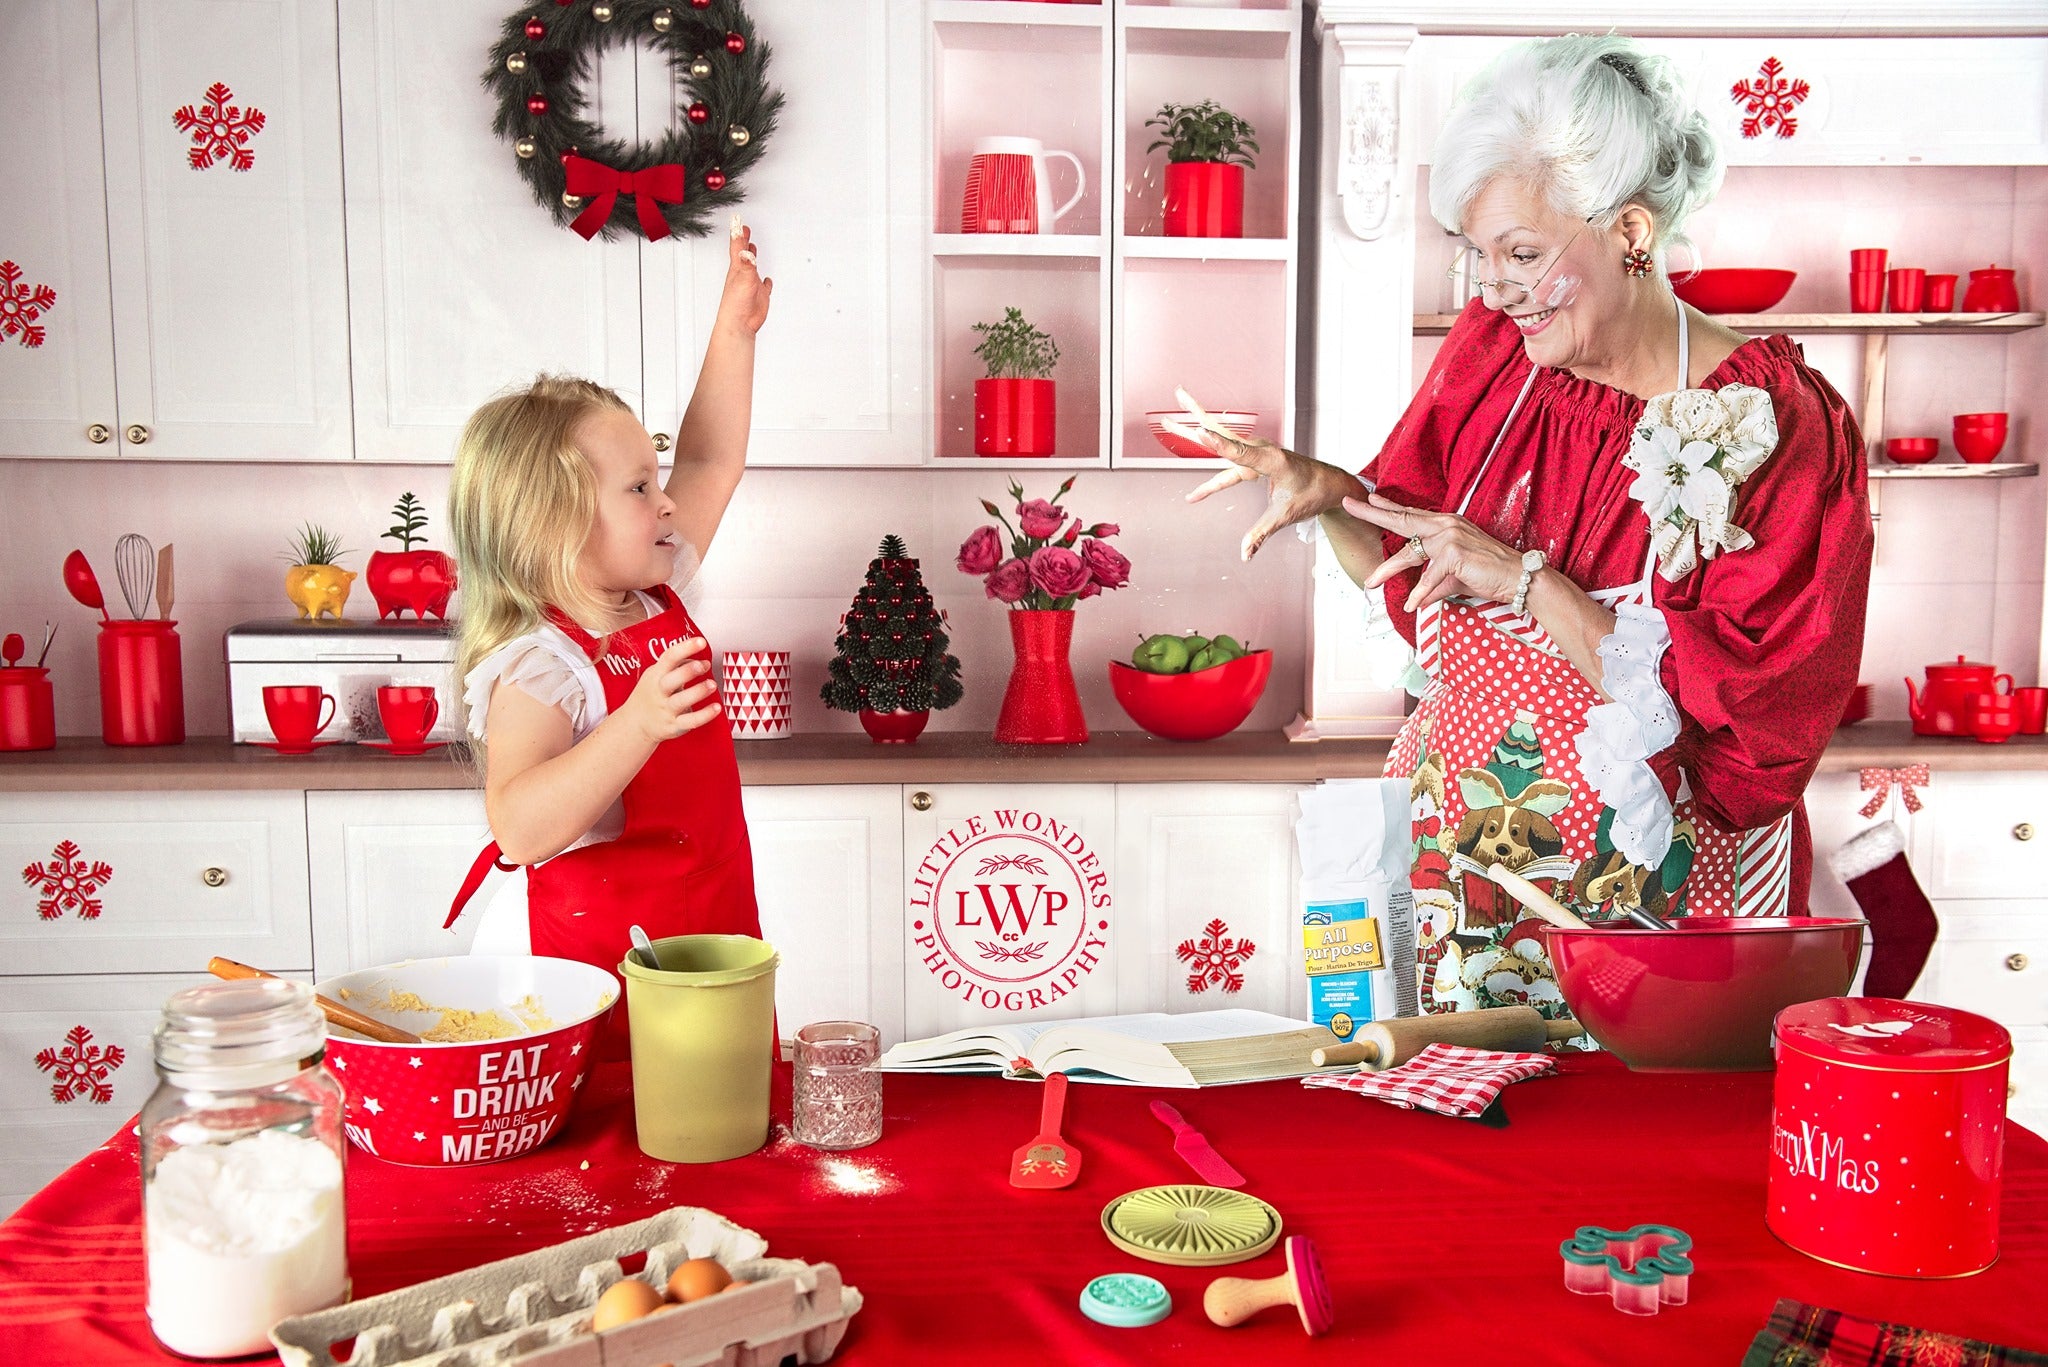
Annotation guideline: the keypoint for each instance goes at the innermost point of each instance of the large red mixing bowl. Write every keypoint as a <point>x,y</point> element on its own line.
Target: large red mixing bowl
<point>1199,706</point>
<point>1733,291</point>
<point>1702,996</point>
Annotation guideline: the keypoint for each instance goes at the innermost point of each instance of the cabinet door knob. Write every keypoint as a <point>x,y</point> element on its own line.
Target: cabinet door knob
<point>2016,962</point>
<point>661,441</point>
<point>214,877</point>
<point>136,434</point>
<point>2023,831</point>
<point>920,802</point>
<point>99,434</point>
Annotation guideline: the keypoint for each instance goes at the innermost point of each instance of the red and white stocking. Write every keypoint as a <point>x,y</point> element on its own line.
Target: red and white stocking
<point>1902,920</point>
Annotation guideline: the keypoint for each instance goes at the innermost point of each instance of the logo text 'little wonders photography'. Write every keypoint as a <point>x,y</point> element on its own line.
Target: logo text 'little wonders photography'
<point>1010,910</point>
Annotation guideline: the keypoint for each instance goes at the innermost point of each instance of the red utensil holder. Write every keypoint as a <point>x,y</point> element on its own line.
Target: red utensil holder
<point>28,712</point>
<point>142,684</point>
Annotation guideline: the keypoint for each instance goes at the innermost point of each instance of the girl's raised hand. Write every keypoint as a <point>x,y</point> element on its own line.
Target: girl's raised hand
<point>744,305</point>
<point>675,695</point>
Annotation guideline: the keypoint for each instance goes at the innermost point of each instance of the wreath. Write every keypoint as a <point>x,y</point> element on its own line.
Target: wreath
<point>594,183</point>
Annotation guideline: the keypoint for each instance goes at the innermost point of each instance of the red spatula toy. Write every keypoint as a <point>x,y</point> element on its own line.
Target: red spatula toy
<point>1047,1161</point>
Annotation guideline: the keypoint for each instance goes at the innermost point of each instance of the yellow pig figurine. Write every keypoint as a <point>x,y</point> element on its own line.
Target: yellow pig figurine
<point>318,590</point>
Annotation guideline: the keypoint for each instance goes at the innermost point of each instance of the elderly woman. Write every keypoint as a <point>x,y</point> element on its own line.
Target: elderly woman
<point>1630,547</point>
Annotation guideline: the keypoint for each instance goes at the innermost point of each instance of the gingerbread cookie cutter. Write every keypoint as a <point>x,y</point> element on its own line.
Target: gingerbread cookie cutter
<point>1643,1268</point>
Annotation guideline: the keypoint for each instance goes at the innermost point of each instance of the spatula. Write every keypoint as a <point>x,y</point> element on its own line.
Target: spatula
<point>1199,1154</point>
<point>166,582</point>
<point>1047,1161</point>
<point>346,1017</point>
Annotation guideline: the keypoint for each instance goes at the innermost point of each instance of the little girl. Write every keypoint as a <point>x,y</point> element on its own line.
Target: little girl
<point>609,772</point>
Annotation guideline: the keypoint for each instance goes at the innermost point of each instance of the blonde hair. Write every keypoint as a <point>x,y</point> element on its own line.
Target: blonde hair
<point>521,504</point>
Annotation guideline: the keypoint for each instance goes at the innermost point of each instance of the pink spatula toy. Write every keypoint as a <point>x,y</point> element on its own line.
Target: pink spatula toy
<point>1048,1161</point>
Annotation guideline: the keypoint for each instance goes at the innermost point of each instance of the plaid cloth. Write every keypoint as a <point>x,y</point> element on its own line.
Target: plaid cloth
<point>1801,1335</point>
<point>1443,1077</point>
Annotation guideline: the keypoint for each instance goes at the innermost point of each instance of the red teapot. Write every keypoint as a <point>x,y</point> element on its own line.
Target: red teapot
<point>1944,706</point>
<point>1992,290</point>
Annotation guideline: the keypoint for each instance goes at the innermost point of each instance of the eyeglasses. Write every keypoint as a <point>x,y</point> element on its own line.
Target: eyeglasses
<point>1509,292</point>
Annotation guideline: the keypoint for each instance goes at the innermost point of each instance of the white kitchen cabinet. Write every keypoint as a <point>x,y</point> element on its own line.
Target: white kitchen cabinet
<point>116,883</point>
<point>1984,835</point>
<point>385,866</point>
<point>200,309</point>
<point>1209,891</point>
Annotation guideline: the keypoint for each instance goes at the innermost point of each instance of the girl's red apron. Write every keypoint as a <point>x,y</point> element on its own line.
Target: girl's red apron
<point>681,866</point>
<point>1493,773</point>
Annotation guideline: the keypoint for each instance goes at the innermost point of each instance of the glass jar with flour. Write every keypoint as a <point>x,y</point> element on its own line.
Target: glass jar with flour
<point>241,1168</point>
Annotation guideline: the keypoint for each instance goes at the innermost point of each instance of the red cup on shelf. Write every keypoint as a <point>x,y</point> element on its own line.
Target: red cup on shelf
<point>298,713</point>
<point>2030,705</point>
<point>1979,437</point>
<point>28,709</point>
<point>1863,259</point>
<point>1940,294</point>
<point>1993,717</point>
<point>409,712</point>
<point>1992,290</point>
<point>1905,288</point>
<point>142,684</point>
<point>1866,291</point>
<point>1911,450</point>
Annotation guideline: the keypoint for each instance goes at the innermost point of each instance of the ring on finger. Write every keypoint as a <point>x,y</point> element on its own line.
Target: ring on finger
<point>1417,549</point>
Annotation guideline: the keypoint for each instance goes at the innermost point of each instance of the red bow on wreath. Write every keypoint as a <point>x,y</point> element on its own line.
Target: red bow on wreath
<point>651,188</point>
<point>1907,777</point>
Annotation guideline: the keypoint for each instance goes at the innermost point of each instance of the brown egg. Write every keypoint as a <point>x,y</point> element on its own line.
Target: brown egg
<point>623,1303</point>
<point>698,1278</point>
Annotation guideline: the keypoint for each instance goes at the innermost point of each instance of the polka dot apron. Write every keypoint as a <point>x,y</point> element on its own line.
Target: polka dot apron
<point>1494,778</point>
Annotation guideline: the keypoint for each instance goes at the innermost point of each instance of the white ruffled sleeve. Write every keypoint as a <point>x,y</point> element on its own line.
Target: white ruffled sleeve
<point>1622,735</point>
<point>547,666</point>
<point>683,578</point>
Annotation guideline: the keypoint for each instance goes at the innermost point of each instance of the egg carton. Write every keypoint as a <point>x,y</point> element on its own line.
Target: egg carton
<point>534,1310</point>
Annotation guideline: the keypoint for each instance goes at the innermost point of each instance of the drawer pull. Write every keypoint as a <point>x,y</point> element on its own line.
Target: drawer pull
<point>99,434</point>
<point>137,434</point>
<point>2023,831</point>
<point>920,802</point>
<point>214,877</point>
<point>2016,962</point>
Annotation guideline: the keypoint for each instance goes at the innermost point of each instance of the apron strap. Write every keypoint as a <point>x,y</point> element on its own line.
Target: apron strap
<point>490,858</point>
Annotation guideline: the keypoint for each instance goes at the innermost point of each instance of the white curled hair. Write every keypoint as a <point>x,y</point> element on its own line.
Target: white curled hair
<point>1593,123</point>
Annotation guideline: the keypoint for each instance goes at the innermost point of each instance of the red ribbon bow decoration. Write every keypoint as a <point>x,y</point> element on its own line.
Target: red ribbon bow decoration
<point>1908,778</point>
<point>651,188</point>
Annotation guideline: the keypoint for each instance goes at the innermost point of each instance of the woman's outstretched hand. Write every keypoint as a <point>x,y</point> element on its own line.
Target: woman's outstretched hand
<point>1455,557</point>
<point>1298,488</point>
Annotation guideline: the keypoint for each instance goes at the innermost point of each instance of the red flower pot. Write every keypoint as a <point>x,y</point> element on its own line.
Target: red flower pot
<point>420,580</point>
<point>893,728</point>
<point>1013,417</point>
<point>1041,705</point>
<point>1204,199</point>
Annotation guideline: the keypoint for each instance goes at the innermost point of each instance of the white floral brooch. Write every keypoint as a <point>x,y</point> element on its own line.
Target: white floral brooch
<point>1691,450</point>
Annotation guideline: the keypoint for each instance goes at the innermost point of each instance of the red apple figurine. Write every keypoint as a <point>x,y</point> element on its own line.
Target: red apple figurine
<point>421,580</point>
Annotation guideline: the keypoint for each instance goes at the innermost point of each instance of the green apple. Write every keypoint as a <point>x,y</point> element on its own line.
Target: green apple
<point>1161,654</point>
<point>1208,657</point>
<point>1194,644</point>
<point>1229,645</point>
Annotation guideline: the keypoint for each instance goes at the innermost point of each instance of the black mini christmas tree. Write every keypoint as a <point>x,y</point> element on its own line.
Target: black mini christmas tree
<point>891,651</point>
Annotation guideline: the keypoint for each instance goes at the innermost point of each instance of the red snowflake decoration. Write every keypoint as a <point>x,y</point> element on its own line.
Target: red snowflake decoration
<point>21,305</point>
<point>220,131</point>
<point>68,883</point>
<point>82,1068</point>
<point>1769,99</point>
<point>1216,957</point>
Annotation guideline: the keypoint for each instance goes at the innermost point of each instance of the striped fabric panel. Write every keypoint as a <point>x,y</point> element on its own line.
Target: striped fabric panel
<point>1763,870</point>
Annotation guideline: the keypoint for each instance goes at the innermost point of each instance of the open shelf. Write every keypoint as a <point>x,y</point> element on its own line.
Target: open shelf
<point>1248,72</point>
<point>1066,68</point>
<point>1998,469</point>
<point>1063,296</point>
<point>1867,324</point>
<point>1218,327</point>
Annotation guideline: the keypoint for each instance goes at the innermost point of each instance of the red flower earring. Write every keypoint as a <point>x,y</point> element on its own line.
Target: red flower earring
<point>1636,262</point>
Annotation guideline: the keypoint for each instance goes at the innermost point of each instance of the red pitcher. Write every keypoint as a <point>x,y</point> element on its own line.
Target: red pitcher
<point>1041,705</point>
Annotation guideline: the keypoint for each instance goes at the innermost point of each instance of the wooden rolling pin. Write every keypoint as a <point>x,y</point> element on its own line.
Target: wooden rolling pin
<point>1380,1045</point>
<point>346,1017</point>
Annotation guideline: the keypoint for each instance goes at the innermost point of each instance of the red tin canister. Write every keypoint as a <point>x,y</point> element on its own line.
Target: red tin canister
<point>142,684</point>
<point>28,709</point>
<point>1888,1135</point>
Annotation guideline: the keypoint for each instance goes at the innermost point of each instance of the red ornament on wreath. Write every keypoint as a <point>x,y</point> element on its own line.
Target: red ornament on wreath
<point>537,105</point>
<point>735,44</point>
<point>700,112</point>
<point>700,4</point>
<point>536,30</point>
<point>714,179</point>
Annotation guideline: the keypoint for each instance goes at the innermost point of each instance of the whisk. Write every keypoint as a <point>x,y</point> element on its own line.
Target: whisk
<point>135,567</point>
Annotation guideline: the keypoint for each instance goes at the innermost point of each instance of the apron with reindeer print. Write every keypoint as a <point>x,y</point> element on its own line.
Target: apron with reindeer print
<point>1494,778</point>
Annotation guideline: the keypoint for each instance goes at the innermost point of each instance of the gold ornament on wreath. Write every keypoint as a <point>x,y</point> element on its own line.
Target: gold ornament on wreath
<point>683,182</point>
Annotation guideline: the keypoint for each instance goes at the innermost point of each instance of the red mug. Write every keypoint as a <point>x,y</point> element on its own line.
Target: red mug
<point>1941,294</point>
<point>142,683</point>
<point>1993,717</point>
<point>28,712</point>
<point>297,712</point>
<point>409,713</point>
<point>2030,705</point>
<point>1866,291</point>
<point>1863,259</point>
<point>1907,285</point>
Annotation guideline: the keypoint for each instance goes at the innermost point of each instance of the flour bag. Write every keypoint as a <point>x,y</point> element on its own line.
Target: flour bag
<point>1357,913</point>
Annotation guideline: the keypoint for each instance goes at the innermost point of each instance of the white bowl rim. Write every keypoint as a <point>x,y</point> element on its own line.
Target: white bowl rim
<point>1220,414</point>
<point>365,979</point>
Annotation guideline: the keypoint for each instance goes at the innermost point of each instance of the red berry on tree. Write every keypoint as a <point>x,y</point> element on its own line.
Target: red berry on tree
<point>536,30</point>
<point>735,43</point>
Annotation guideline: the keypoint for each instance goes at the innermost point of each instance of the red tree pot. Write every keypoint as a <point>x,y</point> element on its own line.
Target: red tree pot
<point>1041,705</point>
<point>893,728</point>
<point>1013,417</point>
<point>1204,199</point>
<point>420,580</point>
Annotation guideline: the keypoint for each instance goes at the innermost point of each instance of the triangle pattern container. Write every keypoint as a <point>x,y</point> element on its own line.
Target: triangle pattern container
<point>755,689</point>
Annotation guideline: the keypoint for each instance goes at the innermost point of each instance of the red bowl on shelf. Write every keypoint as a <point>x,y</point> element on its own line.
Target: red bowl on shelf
<point>1700,997</point>
<point>1911,450</point>
<point>1199,706</point>
<point>1237,422</point>
<point>1733,291</point>
<point>1979,437</point>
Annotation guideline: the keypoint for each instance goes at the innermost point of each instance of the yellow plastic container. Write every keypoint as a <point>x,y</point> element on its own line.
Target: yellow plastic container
<point>703,1029</point>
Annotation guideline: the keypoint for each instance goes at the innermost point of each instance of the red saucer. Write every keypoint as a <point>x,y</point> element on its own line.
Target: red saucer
<point>284,749</point>
<point>394,748</point>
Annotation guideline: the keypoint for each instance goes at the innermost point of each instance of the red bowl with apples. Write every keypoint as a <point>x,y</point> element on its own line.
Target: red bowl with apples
<point>1733,291</point>
<point>1699,997</point>
<point>1199,706</point>
<point>462,1101</point>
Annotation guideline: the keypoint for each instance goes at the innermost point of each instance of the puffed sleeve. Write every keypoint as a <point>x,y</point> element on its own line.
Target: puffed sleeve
<point>1765,642</point>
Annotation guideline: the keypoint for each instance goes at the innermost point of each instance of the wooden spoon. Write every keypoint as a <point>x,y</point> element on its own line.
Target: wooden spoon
<point>346,1017</point>
<point>1536,899</point>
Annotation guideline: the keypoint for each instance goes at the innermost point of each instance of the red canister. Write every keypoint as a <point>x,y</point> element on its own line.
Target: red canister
<point>142,684</point>
<point>1888,1135</point>
<point>28,712</point>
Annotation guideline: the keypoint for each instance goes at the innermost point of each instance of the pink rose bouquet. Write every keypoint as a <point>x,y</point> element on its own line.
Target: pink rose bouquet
<point>1054,560</point>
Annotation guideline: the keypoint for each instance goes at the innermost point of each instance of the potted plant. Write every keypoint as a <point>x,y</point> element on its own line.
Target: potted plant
<point>1013,406</point>
<point>890,663</point>
<point>314,582</point>
<point>1208,149</point>
<point>406,578</point>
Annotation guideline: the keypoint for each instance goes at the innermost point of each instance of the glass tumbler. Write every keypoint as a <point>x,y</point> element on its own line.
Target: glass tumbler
<point>837,1095</point>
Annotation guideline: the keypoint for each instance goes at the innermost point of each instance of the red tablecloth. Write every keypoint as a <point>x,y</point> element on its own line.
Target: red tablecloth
<point>1440,1236</point>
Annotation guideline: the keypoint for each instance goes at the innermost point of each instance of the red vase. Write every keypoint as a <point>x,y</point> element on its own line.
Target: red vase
<point>1204,199</point>
<point>420,580</point>
<point>1013,417</point>
<point>1041,705</point>
<point>893,728</point>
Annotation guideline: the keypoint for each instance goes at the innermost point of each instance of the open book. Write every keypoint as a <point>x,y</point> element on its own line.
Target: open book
<point>1199,1049</point>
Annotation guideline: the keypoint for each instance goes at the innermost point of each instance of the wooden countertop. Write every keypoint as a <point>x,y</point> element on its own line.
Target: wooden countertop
<point>83,764</point>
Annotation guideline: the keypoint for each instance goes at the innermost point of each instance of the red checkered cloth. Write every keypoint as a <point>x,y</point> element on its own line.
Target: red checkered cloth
<point>1801,1335</point>
<point>1443,1077</point>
